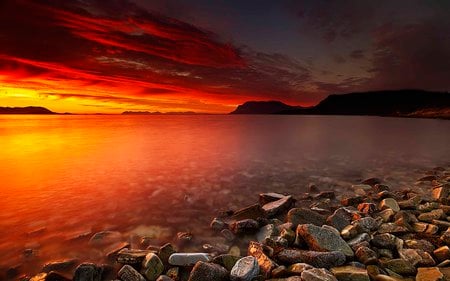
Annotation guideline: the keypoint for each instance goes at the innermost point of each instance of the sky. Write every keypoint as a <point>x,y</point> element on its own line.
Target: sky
<point>88,56</point>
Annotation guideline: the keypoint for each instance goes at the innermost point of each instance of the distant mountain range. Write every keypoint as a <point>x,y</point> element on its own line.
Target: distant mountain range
<point>25,110</point>
<point>401,103</point>
<point>157,113</point>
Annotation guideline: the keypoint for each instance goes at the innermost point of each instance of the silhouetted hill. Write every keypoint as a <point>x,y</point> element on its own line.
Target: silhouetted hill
<point>404,103</point>
<point>263,107</point>
<point>157,113</point>
<point>25,110</point>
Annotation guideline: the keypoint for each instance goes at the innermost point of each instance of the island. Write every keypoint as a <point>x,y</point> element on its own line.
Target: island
<point>26,110</point>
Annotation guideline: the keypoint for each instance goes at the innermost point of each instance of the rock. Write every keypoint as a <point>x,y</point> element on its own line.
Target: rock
<point>317,274</point>
<point>323,239</point>
<point>298,268</point>
<point>390,227</point>
<point>63,265</point>
<point>184,238</point>
<point>445,237</point>
<point>132,256</point>
<point>128,273</point>
<point>314,258</point>
<point>234,251</point>
<point>363,237</point>
<point>279,206</point>
<point>289,235</point>
<point>386,215</point>
<point>389,203</point>
<point>265,198</point>
<point>112,254</point>
<point>266,232</point>
<point>411,203</point>
<point>367,208</point>
<point>152,266</point>
<point>87,272</point>
<point>280,272</point>
<point>105,237</point>
<point>417,257</point>
<point>188,259</point>
<point>352,201</point>
<point>340,218</point>
<point>325,195</point>
<point>51,276</point>
<point>217,224</point>
<point>432,215</point>
<point>368,224</point>
<point>164,278</point>
<point>400,266</point>
<point>366,255</point>
<point>244,226</point>
<point>204,271</point>
<point>385,240</point>
<point>429,274</point>
<point>165,252</point>
<point>441,192</point>
<point>350,273</point>
<point>251,212</point>
<point>428,178</point>
<point>228,235</point>
<point>420,244</point>
<point>265,263</point>
<point>350,231</point>
<point>245,269</point>
<point>371,181</point>
<point>174,273</point>
<point>442,253</point>
<point>298,216</point>
<point>226,260</point>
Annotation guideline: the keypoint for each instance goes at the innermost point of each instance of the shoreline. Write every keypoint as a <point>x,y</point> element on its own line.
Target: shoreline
<point>371,233</point>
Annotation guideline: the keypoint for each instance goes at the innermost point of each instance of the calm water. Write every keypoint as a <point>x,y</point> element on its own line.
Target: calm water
<point>152,176</point>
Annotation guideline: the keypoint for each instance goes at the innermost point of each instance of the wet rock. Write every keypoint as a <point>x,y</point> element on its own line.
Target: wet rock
<point>164,278</point>
<point>128,273</point>
<point>400,266</point>
<point>368,224</point>
<point>63,265</point>
<point>152,266</point>
<point>105,237</point>
<point>217,224</point>
<point>366,255</point>
<point>228,235</point>
<point>244,226</point>
<point>265,263</point>
<point>279,206</point>
<point>429,274</point>
<point>188,259</point>
<point>251,212</point>
<point>389,203</point>
<point>442,253</point>
<point>317,274</point>
<point>288,234</point>
<point>132,256</point>
<point>417,257</point>
<point>165,252</point>
<point>87,272</point>
<point>340,218</point>
<point>266,232</point>
<point>432,215</point>
<point>372,181</point>
<point>51,276</point>
<point>298,216</point>
<point>245,269</point>
<point>420,244</point>
<point>265,198</point>
<point>352,201</point>
<point>323,239</point>
<point>314,258</point>
<point>325,195</point>
<point>441,192</point>
<point>350,273</point>
<point>385,240</point>
<point>173,272</point>
<point>204,271</point>
<point>392,228</point>
<point>445,237</point>
<point>386,215</point>
<point>226,260</point>
<point>298,268</point>
<point>367,208</point>
<point>350,231</point>
<point>363,237</point>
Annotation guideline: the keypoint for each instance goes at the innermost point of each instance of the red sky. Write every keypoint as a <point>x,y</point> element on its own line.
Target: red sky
<point>111,56</point>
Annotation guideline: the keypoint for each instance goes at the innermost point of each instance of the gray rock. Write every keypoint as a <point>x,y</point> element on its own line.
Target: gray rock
<point>188,259</point>
<point>204,271</point>
<point>152,266</point>
<point>350,273</point>
<point>226,260</point>
<point>298,216</point>
<point>128,273</point>
<point>323,239</point>
<point>363,237</point>
<point>87,272</point>
<point>314,258</point>
<point>244,226</point>
<point>62,265</point>
<point>245,269</point>
<point>341,218</point>
<point>132,256</point>
<point>366,255</point>
<point>400,266</point>
<point>265,198</point>
<point>279,206</point>
<point>390,227</point>
<point>317,274</point>
<point>217,224</point>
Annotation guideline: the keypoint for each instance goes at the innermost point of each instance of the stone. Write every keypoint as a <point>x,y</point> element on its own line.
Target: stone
<point>417,257</point>
<point>217,224</point>
<point>298,216</point>
<point>350,231</point>
<point>441,192</point>
<point>385,240</point>
<point>314,258</point>
<point>366,255</point>
<point>265,198</point>
<point>340,218</point>
<point>112,253</point>
<point>352,201</point>
<point>367,208</point>
<point>244,226</point>
<point>432,215</point>
<point>43,276</point>
<point>429,274</point>
<point>63,265</point>
<point>132,256</point>
<point>323,239</point>
<point>386,215</point>
<point>164,278</point>
<point>442,253</point>
<point>350,273</point>
<point>400,266</point>
<point>164,252</point>
<point>152,266</point>
<point>188,259</point>
<point>87,272</point>
<point>128,273</point>
<point>245,269</point>
<point>288,234</point>
<point>390,203</point>
<point>105,237</point>
<point>266,232</point>
<point>251,212</point>
<point>265,263</point>
<point>228,235</point>
<point>279,206</point>
<point>298,268</point>
<point>363,237</point>
<point>204,271</point>
<point>280,272</point>
<point>390,227</point>
<point>173,272</point>
<point>445,237</point>
<point>325,195</point>
<point>372,181</point>
<point>411,203</point>
<point>420,244</point>
<point>226,260</point>
<point>317,274</point>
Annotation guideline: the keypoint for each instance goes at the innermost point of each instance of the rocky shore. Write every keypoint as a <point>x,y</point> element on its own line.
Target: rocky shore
<point>372,233</point>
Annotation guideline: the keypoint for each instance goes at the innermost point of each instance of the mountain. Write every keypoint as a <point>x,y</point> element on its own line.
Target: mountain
<point>25,110</point>
<point>264,107</point>
<point>157,113</point>
<point>402,103</point>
